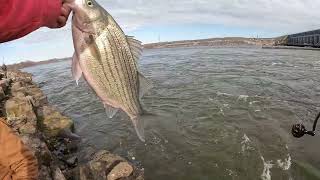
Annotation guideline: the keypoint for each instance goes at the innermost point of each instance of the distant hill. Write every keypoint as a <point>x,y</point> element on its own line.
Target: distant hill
<point>26,64</point>
<point>214,42</point>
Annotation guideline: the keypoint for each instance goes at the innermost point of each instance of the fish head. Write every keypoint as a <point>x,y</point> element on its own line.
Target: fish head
<point>86,13</point>
<point>87,10</point>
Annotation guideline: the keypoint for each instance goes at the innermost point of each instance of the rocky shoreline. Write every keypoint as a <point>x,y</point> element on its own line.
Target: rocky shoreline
<point>50,135</point>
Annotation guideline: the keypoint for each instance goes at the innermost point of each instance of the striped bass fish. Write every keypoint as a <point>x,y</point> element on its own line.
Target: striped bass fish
<point>107,59</point>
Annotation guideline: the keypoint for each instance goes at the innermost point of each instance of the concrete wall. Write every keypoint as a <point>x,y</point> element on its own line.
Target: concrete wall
<point>310,38</point>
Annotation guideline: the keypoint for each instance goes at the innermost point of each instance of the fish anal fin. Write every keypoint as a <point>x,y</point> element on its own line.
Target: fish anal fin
<point>144,85</point>
<point>135,47</point>
<point>110,111</point>
<point>76,69</point>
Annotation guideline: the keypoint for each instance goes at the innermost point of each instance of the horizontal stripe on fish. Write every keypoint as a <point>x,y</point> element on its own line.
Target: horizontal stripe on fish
<point>111,67</point>
<point>125,82</point>
<point>118,73</point>
<point>131,73</point>
<point>99,58</point>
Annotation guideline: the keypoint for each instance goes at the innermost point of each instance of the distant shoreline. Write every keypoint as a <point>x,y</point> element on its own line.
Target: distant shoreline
<point>27,64</point>
<point>212,42</point>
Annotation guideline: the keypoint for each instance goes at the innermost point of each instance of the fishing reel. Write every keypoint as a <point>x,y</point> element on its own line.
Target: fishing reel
<point>299,130</point>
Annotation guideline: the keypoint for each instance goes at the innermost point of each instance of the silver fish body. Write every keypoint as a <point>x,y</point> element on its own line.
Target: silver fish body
<point>107,58</point>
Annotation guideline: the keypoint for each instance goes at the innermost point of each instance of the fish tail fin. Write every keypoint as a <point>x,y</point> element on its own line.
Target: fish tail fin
<point>138,124</point>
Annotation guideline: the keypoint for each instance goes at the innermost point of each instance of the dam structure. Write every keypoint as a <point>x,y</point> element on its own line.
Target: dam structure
<point>304,39</point>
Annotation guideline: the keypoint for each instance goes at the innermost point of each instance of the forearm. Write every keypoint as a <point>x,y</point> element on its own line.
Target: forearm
<point>15,156</point>
<point>20,17</point>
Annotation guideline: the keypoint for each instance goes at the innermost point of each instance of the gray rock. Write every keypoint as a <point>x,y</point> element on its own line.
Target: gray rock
<point>72,161</point>
<point>58,175</point>
<point>39,149</point>
<point>45,173</point>
<point>20,107</point>
<point>4,84</point>
<point>28,128</point>
<point>40,99</point>
<point>17,88</point>
<point>2,94</point>
<point>107,166</point>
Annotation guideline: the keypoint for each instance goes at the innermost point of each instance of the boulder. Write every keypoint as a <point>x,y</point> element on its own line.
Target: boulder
<point>53,123</point>
<point>45,173</point>
<point>4,84</point>
<point>40,99</point>
<point>28,128</point>
<point>20,114</point>
<point>19,107</point>
<point>2,94</point>
<point>57,175</point>
<point>106,166</point>
<point>19,76</point>
<point>17,89</point>
<point>121,170</point>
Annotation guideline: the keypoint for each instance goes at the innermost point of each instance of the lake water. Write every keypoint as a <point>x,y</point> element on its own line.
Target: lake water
<point>220,113</point>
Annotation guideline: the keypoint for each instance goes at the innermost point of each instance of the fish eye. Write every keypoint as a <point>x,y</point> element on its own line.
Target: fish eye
<point>89,3</point>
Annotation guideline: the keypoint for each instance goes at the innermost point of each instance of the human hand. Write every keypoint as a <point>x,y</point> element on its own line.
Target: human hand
<point>63,18</point>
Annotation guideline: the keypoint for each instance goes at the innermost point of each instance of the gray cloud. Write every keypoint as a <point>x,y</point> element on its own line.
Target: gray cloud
<point>277,15</point>
<point>283,16</point>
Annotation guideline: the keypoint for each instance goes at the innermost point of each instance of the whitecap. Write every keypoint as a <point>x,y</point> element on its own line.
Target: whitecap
<point>223,94</point>
<point>267,166</point>
<point>285,164</point>
<point>245,144</point>
<point>243,97</point>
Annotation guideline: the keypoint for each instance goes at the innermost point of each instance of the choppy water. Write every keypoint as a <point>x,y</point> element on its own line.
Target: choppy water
<point>222,113</point>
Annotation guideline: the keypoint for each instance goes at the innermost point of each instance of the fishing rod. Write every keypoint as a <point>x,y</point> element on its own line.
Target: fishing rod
<point>299,130</point>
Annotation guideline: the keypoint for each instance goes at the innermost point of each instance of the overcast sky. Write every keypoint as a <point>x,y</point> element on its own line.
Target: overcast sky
<point>178,20</point>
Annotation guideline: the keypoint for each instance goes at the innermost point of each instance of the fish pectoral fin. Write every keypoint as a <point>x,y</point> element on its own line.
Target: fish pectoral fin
<point>144,85</point>
<point>76,69</point>
<point>138,124</point>
<point>110,111</point>
<point>135,47</point>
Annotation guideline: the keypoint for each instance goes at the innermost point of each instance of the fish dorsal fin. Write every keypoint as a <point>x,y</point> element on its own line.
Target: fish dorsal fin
<point>110,111</point>
<point>144,85</point>
<point>76,69</point>
<point>135,47</point>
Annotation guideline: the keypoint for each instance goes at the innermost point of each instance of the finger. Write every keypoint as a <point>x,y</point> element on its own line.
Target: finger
<point>53,26</point>
<point>65,11</point>
<point>62,21</point>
